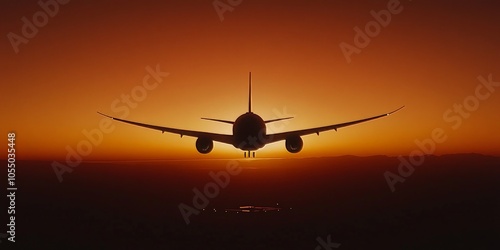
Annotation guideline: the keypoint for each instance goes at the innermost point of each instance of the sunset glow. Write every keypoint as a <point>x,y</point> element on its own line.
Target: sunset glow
<point>431,57</point>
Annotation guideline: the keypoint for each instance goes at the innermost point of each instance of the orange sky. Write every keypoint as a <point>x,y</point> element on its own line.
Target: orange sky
<point>91,52</point>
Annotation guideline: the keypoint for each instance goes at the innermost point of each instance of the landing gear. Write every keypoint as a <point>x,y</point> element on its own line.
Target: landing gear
<point>245,154</point>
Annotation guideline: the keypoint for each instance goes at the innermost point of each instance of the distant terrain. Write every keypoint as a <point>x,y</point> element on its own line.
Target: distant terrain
<point>448,202</point>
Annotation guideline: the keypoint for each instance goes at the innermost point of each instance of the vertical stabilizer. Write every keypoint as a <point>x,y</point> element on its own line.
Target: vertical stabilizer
<point>250,92</point>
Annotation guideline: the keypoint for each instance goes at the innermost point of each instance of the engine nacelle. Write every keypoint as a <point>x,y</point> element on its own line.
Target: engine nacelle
<point>294,144</point>
<point>204,145</point>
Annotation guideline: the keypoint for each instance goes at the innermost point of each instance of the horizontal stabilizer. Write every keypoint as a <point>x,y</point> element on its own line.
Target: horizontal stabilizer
<point>217,120</point>
<point>279,119</point>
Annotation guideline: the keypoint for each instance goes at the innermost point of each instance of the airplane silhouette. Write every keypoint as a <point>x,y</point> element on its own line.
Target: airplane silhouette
<point>249,131</point>
<point>252,209</point>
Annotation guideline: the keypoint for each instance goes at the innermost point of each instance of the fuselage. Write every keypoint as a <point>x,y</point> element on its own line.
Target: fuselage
<point>249,132</point>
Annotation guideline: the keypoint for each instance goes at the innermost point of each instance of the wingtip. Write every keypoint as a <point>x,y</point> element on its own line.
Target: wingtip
<point>105,115</point>
<point>396,110</point>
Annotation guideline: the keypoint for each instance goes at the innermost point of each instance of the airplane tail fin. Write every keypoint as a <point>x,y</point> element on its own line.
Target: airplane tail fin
<point>250,92</point>
<point>249,104</point>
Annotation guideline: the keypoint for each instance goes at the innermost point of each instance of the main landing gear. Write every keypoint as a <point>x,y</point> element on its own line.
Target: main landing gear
<point>245,154</point>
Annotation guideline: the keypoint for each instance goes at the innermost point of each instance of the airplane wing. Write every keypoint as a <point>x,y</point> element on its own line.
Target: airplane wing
<point>215,137</point>
<point>282,136</point>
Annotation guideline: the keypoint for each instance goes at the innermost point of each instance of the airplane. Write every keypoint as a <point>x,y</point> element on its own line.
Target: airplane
<point>249,131</point>
<point>252,209</point>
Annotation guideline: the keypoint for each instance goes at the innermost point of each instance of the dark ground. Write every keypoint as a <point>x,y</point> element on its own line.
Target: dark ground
<point>449,202</point>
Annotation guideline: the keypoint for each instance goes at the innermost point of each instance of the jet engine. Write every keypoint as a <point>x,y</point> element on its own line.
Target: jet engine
<point>204,145</point>
<point>294,144</point>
